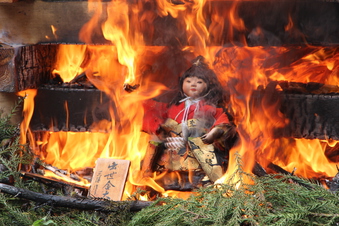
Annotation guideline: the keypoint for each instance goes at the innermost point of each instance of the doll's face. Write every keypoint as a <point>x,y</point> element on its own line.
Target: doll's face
<point>194,87</point>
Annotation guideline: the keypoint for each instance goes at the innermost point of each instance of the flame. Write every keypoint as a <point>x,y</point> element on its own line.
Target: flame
<point>69,61</point>
<point>311,164</point>
<point>27,113</point>
<point>245,71</point>
<point>54,30</point>
<point>256,123</point>
<point>290,24</point>
<point>116,29</point>
<point>195,25</point>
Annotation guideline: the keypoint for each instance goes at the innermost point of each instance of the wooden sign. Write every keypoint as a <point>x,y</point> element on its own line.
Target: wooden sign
<point>109,178</point>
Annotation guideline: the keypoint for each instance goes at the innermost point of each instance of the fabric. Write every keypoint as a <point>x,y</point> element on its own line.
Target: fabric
<point>156,114</point>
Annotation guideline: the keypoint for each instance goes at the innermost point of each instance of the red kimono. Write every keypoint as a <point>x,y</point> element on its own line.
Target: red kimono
<point>156,114</point>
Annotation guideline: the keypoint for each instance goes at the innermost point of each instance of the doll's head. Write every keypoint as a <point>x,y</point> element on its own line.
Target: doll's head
<point>194,87</point>
<point>212,93</point>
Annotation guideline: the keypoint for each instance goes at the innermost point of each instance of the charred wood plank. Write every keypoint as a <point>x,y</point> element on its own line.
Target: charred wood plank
<point>280,170</point>
<point>310,116</point>
<point>70,109</point>
<point>57,183</point>
<point>25,67</point>
<point>25,24</point>
<point>332,152</point>
<point>277,169</point>
<point>310,110</point>
<point>70,202</point>
<point>34,65</point>
<point>258,170</point>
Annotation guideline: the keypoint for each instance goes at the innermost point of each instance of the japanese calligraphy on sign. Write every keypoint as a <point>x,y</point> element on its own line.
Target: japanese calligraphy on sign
<point>109,178</point>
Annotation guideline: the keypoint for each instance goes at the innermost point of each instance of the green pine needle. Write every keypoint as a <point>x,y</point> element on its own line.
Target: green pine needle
<point>270,200</point>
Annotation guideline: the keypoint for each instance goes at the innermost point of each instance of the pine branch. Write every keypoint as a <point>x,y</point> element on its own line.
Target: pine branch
<point>269,200</point>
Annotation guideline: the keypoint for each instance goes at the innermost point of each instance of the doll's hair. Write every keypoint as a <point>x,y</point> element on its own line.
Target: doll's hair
<point>214,94</point>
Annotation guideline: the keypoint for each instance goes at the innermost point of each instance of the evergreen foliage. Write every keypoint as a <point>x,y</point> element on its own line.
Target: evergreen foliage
<point>8,130</point>
<point>270,200</point>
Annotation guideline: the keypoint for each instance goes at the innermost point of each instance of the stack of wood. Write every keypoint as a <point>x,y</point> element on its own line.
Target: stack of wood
<point>311,108</point>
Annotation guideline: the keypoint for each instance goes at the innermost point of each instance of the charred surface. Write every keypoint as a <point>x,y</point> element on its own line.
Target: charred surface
<point>70,202</point>
<point>310,116</point>
<point>70,109</point>
<point>25,67</point>
<point>266,23</point>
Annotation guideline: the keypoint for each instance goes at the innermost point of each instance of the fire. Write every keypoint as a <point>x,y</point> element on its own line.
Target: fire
<point>27,114</point>
<point>256,124</point>
<point>70,59</point>
<point>314,164</point>
<point>122,59</point>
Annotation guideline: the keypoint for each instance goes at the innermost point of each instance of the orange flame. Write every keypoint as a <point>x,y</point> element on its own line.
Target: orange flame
<point>245,70</point>
<point>256,124</point>
<point>69,61</point>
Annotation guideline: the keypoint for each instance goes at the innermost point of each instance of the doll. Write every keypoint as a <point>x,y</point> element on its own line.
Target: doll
<point>193,128</point>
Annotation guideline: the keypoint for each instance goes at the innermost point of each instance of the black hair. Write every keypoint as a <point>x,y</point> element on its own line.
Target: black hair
<point>215,94</point>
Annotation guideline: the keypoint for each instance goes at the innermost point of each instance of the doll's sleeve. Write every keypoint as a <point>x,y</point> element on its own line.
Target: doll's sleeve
<point>229,135</point>
<point>154,114</point>
<point>221,118</point>
<point>222,122</point>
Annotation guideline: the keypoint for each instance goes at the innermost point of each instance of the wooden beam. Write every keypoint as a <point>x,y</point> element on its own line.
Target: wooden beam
<point>70,109</point>
<point>7,74</point>
<point>70,202</point>
<point>310,108</point>
<point>310,116</point>
<point>266,22</point>
<point>25,67</point>
<point>31,22</point>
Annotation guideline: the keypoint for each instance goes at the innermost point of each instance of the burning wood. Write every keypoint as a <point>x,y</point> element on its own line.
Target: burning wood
<point>71,109</point>
<point>308,88</point>
<point>258,170</point>
<point>78,203</point>
<point>62,173</point>
<point>25,67</point>
<point>82,81</point>
<point>57,183</point>
<point>130,88</point>
<point>159,29</point>
<point>311,116</point>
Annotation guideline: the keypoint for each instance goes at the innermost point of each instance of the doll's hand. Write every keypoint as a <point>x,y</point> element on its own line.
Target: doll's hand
<point>212,135</point>
<point>175,142</point>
